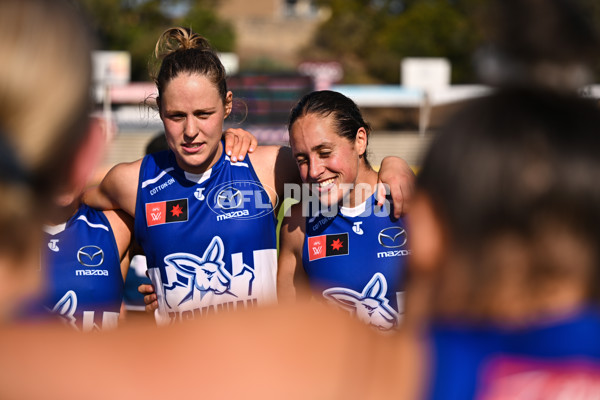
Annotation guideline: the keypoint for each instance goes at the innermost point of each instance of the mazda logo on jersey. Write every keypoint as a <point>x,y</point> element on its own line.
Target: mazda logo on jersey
<point>392,237</point>
<point>229,198</point>
<point>327,246</point>
<point>90,256</point>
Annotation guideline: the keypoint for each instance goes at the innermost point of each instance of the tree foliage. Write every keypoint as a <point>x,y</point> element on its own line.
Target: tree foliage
<point>371,37</point>
<point>135,25</point>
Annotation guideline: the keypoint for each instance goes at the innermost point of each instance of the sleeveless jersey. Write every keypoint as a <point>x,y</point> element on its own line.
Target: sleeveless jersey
<point>555,359</point>
<point>80,260</point>
<point>209,238</point>
<point>356,259</point>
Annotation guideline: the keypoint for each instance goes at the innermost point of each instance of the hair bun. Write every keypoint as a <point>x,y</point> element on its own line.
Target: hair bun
<point>178,38</point>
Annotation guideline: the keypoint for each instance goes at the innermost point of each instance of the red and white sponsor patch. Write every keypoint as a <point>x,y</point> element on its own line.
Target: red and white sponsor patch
<point>156,213</point>
<point>316,247</point>
<point>163,212</point>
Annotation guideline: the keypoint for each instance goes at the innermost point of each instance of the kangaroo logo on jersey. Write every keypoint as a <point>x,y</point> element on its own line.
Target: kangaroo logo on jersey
<point>66,307</point>
<point>371,306</point>
<point>327,246</point>
<point>392,237</point>
<point>164,212</point>
<point>90,256</point>
<point>196,277</point>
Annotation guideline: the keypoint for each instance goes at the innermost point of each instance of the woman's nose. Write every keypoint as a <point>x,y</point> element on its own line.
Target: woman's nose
<point>190,128</point>
<point>315,169</point>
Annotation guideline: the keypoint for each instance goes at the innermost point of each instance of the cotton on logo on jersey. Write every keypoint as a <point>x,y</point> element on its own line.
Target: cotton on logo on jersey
<point>327,246</point>
<point>164,212</point>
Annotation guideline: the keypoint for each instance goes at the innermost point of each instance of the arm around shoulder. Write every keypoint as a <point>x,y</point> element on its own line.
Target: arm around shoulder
<point>396,174</point>
<point>118,189</point>
<point>292,282</point>
<point>275,167</point>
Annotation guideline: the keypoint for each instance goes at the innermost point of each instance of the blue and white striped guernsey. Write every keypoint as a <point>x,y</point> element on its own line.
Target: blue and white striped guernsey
<point>357,259</point>
<point>209,238</point>
<point>83,280</point>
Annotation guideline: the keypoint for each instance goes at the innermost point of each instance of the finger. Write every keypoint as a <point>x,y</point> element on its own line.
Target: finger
<point>151,307</point>
<point>398,201</point>
<point>244,147</point>
<point>399,210</point>
<point>229,141</point>
<point>408,189</point>
<point>145,288</point>
<point>150,298</point>
<point>235,151</point>
<point>380,188</point>
<point>407,195</point>
<point>253,144</point>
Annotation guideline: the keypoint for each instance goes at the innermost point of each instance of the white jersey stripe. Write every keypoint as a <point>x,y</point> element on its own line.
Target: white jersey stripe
<point>155,179</point>
<point>100,226</point>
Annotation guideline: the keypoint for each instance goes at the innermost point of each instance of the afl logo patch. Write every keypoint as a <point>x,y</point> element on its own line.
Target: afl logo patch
<point>241,199</point>
<point>90,256</point>
<point>392,237</point>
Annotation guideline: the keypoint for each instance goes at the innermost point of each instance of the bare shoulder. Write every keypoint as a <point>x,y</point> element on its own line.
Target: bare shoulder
<point>275,166</point>
<point>264,156</point>
<point>125,171</point>
<point>120,185</point>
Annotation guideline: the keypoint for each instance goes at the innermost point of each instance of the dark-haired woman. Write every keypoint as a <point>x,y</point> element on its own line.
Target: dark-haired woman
<point>348,249</point>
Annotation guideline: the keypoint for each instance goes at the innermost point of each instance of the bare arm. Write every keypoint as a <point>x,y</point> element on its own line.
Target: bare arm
<point>117,190</point>
<point>400,179</point>
<point>292,282</point>
<point>122,226</point>
<point>275,168</point>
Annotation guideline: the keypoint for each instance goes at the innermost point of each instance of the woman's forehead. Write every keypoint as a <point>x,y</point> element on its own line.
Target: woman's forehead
<point>191,89</point>
<point>314,127</point>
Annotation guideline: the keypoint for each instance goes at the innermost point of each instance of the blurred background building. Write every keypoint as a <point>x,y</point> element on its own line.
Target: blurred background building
<point>271,33</point>
<point>407,63</point>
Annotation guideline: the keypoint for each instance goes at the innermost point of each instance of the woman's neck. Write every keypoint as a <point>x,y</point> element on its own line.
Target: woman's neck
<point>364,187</point>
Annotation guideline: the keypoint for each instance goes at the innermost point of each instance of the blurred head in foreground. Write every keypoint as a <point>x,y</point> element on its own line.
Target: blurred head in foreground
<point>45,97</point>
<point>506,223</point>
<point>547,43</point>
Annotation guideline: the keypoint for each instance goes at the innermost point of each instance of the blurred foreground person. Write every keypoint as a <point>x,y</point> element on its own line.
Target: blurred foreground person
<point>505,257</point>
<point>45,95</point>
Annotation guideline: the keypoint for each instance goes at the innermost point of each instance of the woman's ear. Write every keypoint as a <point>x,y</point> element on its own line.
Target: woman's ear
<point>228,103</point>
<point>426,234</point>
<point>360,142</point>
